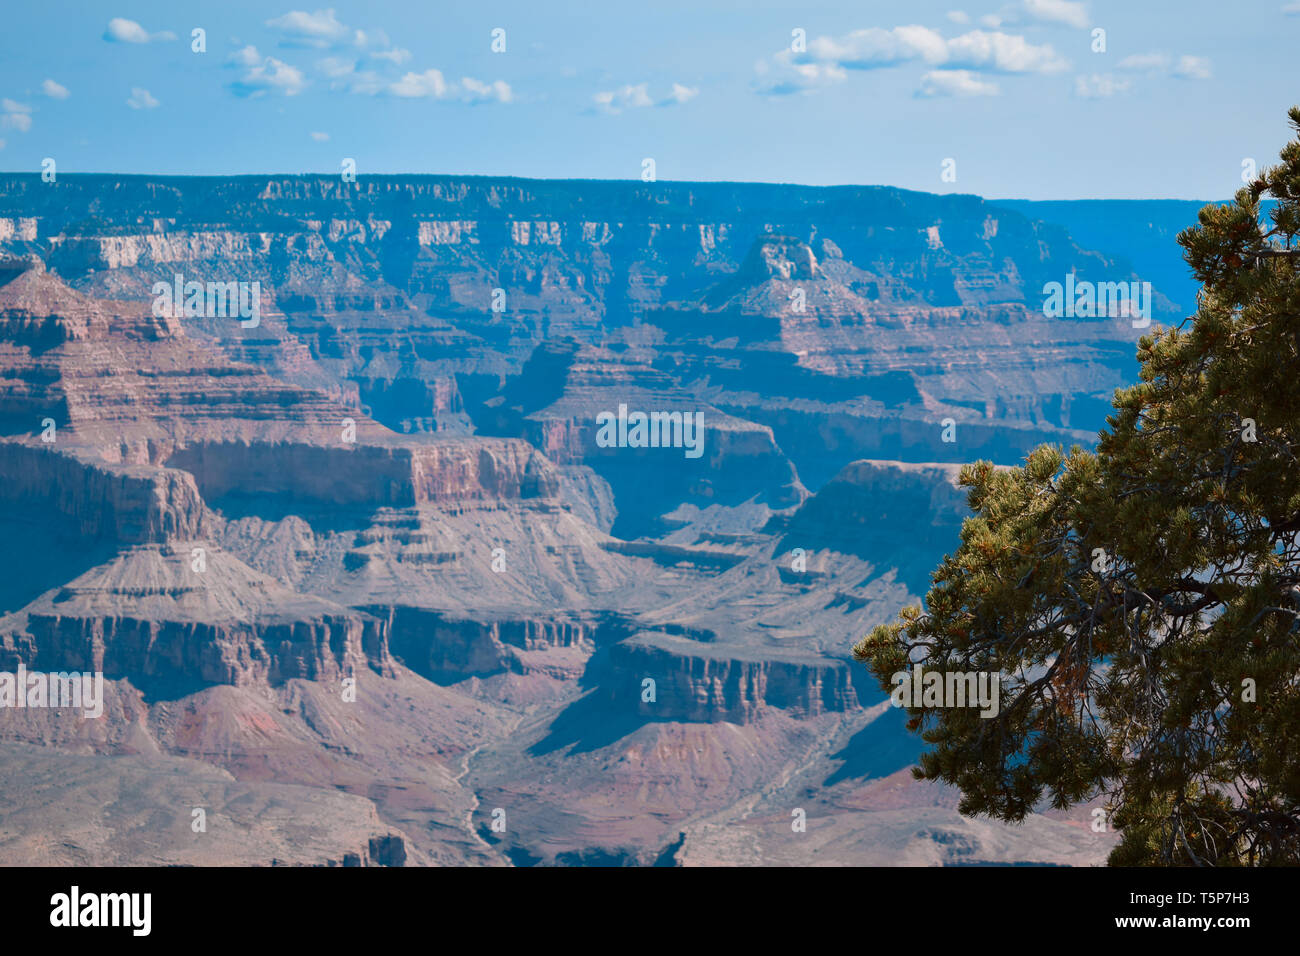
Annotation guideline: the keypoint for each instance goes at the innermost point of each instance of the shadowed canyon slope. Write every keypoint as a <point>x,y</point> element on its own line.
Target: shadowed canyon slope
<point>369,558</point>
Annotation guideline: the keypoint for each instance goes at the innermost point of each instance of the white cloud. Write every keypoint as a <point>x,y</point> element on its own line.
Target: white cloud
<point>1003,53</point>
<point>959,16</point>
<point>1067,12</point>
<point>15,115</point>
<point>474,91</point>
<point>1070,13</point>
<point>637,95</point>
<point>121,30</point>
<point>1193,68</point>
<point>1145,61</point>
<point>321,137</point>
<point>874,47</point>
<point>125,31</point>
<point>1185,67</point>
<point>363,62</point>
<point>784,76</point>
<point>56,91</point>
<point>264,75</point>
<point>361,39</point>
<point>827,58</point>
<point>429,83</point>
<point>344,75</point>
<point>955,83</point>
<point>247,56</point>
<point>336,67</point>
<point>1292,9</point>
<point>360,61</point>
<point>141,99</point>
<point>1100,85</point>
<point>625,98</point>
<point>299,28</point>
<point>1059,11</point>
<point>397,56</point>
<point>323,30</point>
<point>680,94</point>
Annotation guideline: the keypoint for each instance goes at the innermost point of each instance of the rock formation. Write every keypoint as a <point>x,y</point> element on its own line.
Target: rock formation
<point>371,558</point>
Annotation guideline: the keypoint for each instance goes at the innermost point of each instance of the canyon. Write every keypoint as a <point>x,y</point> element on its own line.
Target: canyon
<point>366,586</point>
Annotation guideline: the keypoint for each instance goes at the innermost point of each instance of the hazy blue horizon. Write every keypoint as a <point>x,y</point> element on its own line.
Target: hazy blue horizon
<point>561,179</point>
<point>1014,93</point>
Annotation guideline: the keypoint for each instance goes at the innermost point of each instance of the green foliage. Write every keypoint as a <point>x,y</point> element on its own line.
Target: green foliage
<point>1132,682</point>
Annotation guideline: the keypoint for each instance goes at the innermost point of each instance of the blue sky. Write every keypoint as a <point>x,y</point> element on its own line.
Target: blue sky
<point>875,93</point>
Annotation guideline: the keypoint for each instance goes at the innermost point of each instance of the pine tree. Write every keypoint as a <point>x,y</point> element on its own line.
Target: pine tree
<point>1141,603</point>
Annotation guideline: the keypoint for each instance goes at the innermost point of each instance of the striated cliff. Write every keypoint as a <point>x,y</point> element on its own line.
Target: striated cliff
<point>446,648</point>
<point>870,505</point>
<point>130,504</point>
<point>373,476</point>
<point>850,321</point>
<point>171,620</point>
<point>694,681</point>
<point>397,475</point>
<point>558,401</point>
